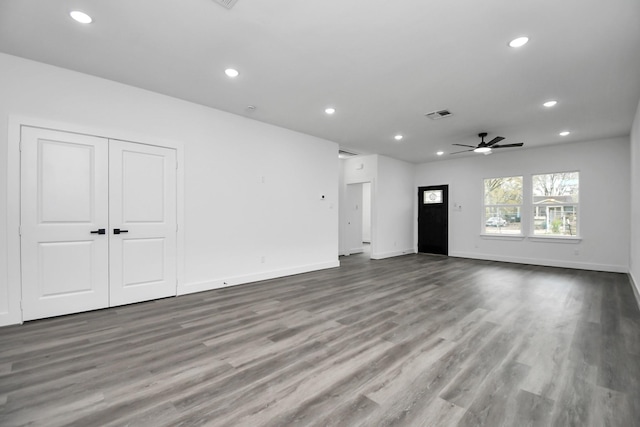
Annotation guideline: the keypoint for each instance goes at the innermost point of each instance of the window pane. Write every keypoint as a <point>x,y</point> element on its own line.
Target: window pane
<point>432,196</point>
<point>556,188</point>
<point>555,204</point>
<point>503,191</point>
<point>549,220</point>
<point>502,220</point>
<point>503,201</point>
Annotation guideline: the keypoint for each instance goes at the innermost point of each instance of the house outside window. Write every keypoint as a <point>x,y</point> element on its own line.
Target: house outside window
<point>556,204</point>
<point>502,205</point>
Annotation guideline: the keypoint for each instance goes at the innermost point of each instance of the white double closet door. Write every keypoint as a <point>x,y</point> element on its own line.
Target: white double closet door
<point>98,222</point>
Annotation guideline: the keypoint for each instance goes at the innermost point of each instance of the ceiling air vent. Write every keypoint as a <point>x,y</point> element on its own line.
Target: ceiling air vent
<point>344,154</point>
<point>226,3</point>
<point>439,114</point>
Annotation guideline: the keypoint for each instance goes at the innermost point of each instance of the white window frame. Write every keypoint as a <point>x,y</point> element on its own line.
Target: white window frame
<point>575,234</point>
<point>521,207</point>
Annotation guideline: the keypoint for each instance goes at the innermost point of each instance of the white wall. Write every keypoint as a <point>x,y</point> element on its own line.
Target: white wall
<point>251,190</point>
<point>392,195</point>
<point>634,256</point>
<point>395,201</point>
<point>604,203</point>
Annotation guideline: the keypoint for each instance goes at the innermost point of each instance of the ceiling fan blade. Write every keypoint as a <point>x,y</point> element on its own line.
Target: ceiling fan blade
<point>463,151</point>
<point>494,141</point>
<point>464,145</point>
<point>518,144</point>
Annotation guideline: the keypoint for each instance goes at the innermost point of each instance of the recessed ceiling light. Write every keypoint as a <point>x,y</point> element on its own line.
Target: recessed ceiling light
<point>231,72</point>
<point>440,153</point>
<point>549,104</point>
<point>519,42</point>
<point>81,17</point>
<point>330,110</point>
<point>564,133</point>
<point>482,150</point>
<point>398,137</point>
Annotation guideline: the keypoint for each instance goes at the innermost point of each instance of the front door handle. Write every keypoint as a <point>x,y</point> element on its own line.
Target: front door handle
<point>118,231</point>
<point>99,231</point>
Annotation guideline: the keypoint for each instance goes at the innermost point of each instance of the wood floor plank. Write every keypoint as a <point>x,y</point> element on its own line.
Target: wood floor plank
<point>415,340</point>
<point>495,400</point>
<point>532,410</point>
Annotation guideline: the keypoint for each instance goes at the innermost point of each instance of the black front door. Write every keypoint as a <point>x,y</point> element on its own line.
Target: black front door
<point>433,219</point>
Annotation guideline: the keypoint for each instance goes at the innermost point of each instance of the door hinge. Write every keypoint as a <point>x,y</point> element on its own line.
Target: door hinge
<point>20,231</point>
<point>20,146</point>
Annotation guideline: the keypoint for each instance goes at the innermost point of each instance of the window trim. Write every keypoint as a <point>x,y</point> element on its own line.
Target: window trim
<point>556,239</point>
<point>553,237</point>
<point>502,236</point>
<point>522,206</point>
<point>527,228</point>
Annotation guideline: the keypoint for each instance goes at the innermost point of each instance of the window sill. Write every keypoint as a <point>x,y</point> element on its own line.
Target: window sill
<point>555,239</point>
<point>542,239</point>
<point>502,236</point>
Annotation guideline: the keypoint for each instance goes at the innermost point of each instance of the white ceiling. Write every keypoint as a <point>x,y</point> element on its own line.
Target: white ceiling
<point>382,64</point>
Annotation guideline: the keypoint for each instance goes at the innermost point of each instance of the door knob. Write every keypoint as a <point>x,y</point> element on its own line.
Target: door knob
<point>99,231</point>
<point>118,231</point>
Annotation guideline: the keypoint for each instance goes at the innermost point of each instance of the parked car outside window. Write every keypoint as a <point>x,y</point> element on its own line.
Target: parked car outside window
<point>496,221</point>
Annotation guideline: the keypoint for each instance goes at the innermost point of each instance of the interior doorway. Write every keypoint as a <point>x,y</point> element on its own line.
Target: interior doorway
<point>433,219</point>
<point>366,218</point>
<point>358,219</point>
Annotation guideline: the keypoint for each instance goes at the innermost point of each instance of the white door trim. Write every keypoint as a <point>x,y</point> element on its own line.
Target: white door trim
<point>14,284</point>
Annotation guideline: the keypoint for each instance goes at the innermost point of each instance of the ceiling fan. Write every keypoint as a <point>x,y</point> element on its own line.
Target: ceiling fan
<point>486,147</point>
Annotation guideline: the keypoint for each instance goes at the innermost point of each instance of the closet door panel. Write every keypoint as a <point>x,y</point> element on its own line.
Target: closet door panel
<point>142,213</point>
<point>64,204</point>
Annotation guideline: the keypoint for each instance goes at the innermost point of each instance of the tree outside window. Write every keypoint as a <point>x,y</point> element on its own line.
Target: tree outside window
<point>555,204</point>
<point>502,205</point>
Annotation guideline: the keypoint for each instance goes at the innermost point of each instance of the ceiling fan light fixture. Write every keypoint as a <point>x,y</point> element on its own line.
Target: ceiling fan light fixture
<point>81,17</point>
<point>550,104</point>
<point>486,147</point>
<point>398,137</point>
<point>564,133</point>
<point>439,153</point>
<point>519,42</point>
<point>232,72</point>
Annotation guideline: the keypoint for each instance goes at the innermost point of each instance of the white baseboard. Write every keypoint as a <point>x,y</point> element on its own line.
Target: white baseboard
<point>545,262</point>
<point>189,288</point>
<point>392,254</point>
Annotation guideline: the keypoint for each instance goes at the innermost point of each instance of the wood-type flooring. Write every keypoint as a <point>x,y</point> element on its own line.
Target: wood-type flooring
<point>416,340</point>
